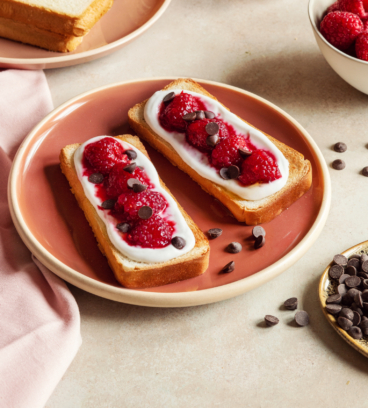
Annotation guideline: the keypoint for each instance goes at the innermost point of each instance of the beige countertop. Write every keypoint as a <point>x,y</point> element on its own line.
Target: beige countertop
<point>218,355</point>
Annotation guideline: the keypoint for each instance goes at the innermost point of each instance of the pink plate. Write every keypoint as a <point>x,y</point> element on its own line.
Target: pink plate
<point>54,228</point>
<point>125,21</point>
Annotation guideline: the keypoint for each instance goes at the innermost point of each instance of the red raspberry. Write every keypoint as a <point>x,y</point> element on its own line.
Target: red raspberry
<point>226,152</point>
<point>353,6</point>
<point>341,29</point>
<point>152,233</point>
<point>260,167</point>
<point>104,154</point>
<point>334,7</point>
<point>361,46</point>
<point>197,135</point>
<point>171,115</point>
<point>130,202</point>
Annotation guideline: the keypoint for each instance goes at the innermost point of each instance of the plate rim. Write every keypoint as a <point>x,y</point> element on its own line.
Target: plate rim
<point>176,299</point>
<point>331,319</point>
<point>89,55</point>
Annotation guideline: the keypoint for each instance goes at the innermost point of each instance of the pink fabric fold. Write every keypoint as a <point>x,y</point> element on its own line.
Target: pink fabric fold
<point>39,317</point>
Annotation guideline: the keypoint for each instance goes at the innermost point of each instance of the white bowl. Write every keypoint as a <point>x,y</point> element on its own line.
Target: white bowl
<point>354,71</point>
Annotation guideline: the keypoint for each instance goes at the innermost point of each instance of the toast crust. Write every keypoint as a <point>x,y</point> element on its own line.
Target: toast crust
<point>250,212</point>
<point>132,274</point>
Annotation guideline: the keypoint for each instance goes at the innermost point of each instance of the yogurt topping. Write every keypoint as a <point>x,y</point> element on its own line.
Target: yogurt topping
<point>200,162</point>
<point>171,213</point>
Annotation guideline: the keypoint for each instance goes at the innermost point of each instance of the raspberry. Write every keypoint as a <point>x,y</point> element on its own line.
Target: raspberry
<point>353,6</point>
<point>171,115</point>
<point>226,152</point>
<point>197,135</point>
<point>341,28</point>
<point>152,233</point>
<point>104,154</point>
<point>260,167</point>
<point>361,46</point>
<point>334,7</point>
<point>131,202</point>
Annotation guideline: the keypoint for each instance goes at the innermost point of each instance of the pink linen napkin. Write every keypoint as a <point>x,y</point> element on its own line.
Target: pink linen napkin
<point>39,317</point>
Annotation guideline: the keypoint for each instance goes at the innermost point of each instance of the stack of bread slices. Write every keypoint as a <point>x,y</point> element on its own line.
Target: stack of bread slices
<point>56,25</point>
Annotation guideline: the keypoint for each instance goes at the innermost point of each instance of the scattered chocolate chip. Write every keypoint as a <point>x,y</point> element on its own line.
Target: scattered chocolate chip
<point>108,204</point>
<point>233,172</point>
<point>334,299</point>
<point>344,323</point>
<point>355,333</point>
<point>228,267</point>
<point>350,270</point>
<point>132,181</point>
<point>341,289</point>
<point>200,115</point>
<point>356,319</point>
<point>123,227</point>
<point>352,281</point>
<point>259,242</point>
<point>244,153</point>
<point>340,260</point>
<point>336,271</point>
<point>258,231</point>
<point>178,242</point>
<point>333,309</point>
<point>130,168</point>
<point>190,116</point>
<point>209,115</point>
<point>291,304</point>
<point>212,140</point>
<point>358,300</point>
<point>96,178</point>
<point>340,147</point>
<point>132,155</point>
<point>271,320</point>
<point>212,128</point>
<point>234,248</point>
<point>138,188</point>
<point>224,174</point>
<point>214,232</point>
<point>347,313</point>
<point>365,171</point>
<point>365,266</point>
<point>338,164</point>
<point>145,212</point>
<point>169,97</point>
<point>301,318</point>
<point>343,277</point>
<point>354,262</point>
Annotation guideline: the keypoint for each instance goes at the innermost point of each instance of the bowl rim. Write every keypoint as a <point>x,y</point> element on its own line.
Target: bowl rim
<point>316,30</point>
<point>176,299</point>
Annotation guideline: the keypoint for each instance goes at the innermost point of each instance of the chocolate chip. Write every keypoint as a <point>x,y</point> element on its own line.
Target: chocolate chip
<point>365,306</point>
<point>344,323</point>
<point>333,309</point>
<point>190,116</point>
<point>212,140</point>
<point>343,277</point>
<point>365,295</point>
<point>355,333</point>
<point>358,300</point>
<point>228,267</point>
<point>365,283</point>
<point>301,318</point>
<point>169,97</point>
<point>291,304</point>
<point>352,281</point>
<point>145,212</point>
<point>354,262</point>
<point>233,172</point>
<point>224,174</point>
<point>244,153</point>
<point>364,322</point>
<point>123,227</point>
<point>234,248</point>
<point>365,171</point>
<point>209,115</point>
<point>334,299</point>
<point>336,271</point>
<point>132,181</point>
<point>340,260</point>
<point>108,204</point>
<point>96,178</point>
<point>355,256</point>
<point>212,128</point>
<point>340,147</point>
<point>130,168</point>
<point>132,155</point>
<point>258,231</point>
<point>350,270</point>
<point>356,319</point>
<point>347,313</point>
<point>138,188</point>
<point>364,318</point>
<point>357,309</point>
<point>214,232</point>
<point>363,275</point>
<point>338,164</point>
<point>347,300</point>
<point>200,115</point>
<point>271,320</point>
<point>178,242</point>
<point>365,266</point>
<point>259,242</point>
<point>341,289</point>
<point>140,167</point>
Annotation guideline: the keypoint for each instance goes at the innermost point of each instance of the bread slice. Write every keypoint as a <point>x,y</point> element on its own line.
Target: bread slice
<point>41,38</point>
<point>251,212</point>
<point>129,273</point>
<point>66,17</point>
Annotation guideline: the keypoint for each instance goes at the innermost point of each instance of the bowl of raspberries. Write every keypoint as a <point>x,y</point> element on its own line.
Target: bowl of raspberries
<point>341,32</point>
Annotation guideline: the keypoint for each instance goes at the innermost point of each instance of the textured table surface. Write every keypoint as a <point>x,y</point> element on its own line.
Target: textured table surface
<point>219,355</point>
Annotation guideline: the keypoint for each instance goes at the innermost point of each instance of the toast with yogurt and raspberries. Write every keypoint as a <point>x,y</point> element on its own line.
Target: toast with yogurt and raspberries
<point>285,178</point>
<point>127,204</point>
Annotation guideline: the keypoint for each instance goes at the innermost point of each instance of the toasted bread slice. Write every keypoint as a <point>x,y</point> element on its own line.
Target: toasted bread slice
<point>251,212</point>
<point>69,18</point>
<point>130,273</point>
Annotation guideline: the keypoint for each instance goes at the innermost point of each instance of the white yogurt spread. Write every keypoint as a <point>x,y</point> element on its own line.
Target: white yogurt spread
<point>171,213</point>
<point>199,161</point>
